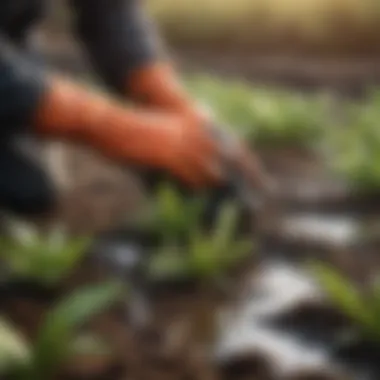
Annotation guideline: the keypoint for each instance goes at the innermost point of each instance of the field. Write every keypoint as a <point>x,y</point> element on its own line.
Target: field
<point>86,309</point>
<point>132,284</point>
<point>314,26</point>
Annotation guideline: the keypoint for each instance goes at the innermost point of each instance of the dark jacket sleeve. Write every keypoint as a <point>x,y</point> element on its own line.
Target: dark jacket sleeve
<point>22,85</point>
<point>118,35</point>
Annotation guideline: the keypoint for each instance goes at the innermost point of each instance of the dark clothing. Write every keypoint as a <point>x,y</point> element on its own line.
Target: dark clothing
<point>117,37</point>
<point>25,187</point>
<point>115,33</point>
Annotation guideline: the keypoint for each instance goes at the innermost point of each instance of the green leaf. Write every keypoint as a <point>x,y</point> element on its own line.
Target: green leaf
<point>58,332</point>
<point>168,263</point>
<point>43,258</point>
<point>14,350</point>
<point>225,229</point>
<point>345,295</point>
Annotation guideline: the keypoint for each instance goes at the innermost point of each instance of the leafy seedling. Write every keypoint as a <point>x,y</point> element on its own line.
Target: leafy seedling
<point>362,308</point>
<point>171,216</point>
<point>59,339</point>
<point>15,351</point>
<point>46,259</point>
<point>207,255</point>
<point>264,117</point>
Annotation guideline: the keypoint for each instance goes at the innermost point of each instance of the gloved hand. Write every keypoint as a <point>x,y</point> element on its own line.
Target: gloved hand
<point>158,86</point>
<point>163,140</point>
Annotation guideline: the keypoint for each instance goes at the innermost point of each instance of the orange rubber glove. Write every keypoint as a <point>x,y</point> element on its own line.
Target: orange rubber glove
<point>154,139</point>
<point>159,87</point>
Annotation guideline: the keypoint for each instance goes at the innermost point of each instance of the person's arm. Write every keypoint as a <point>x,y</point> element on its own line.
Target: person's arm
<point>22,85</point>
<point>50,106</point>
<point>126,49</point>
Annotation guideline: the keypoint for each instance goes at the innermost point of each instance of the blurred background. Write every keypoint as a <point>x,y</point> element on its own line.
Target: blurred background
<point>303,43</point>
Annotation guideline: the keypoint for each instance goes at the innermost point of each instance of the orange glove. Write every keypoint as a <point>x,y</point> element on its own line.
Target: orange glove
<point>158,86</point>
<point>163,140</point>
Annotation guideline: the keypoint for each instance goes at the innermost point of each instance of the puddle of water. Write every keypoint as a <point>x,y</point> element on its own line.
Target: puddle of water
<point>278,290</point>
<point>285,354</point>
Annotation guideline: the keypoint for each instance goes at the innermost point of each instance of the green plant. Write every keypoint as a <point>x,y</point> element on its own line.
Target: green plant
<point>205,255</point>
<point>14,349</point>
<point>171,215</point>
<point>361,307</point>
<point>356,147</point>
<point>261,115</point>
<point>44,258</point>
<point>59,338</point>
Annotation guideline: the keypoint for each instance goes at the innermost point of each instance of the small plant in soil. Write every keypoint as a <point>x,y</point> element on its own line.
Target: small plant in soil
<point>356,149</point>
<point>361,306</point>
<point>265,117</point>
<point>59,338</point>
<point>43,258</point>
<point>190,251</point>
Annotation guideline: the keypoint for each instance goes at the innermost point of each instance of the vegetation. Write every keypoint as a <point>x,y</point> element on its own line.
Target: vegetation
<point>362,307</point>
<point>189,251</point>
<point>355,145</point>
<point>45,258</point>
<point>264,116</point>
<point>346,135</point>
<point>59,337</point>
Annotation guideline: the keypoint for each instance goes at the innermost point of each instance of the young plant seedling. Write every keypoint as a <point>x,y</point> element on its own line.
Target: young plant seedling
<point>59,338</point>
<point>46,259</point>
<point>361,307</point>
<point>189,251</point>
<point>356,149</point>
<point>14,349</point>
<point>264,117</point>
